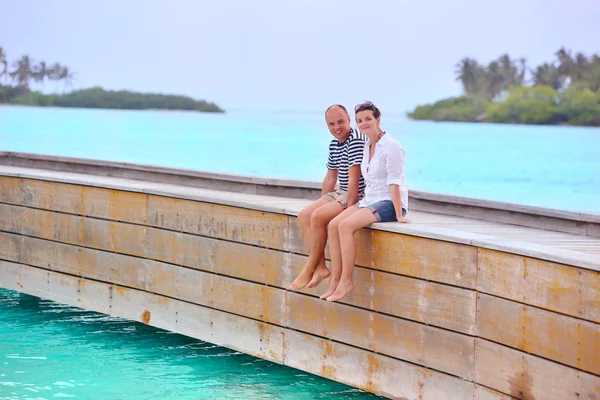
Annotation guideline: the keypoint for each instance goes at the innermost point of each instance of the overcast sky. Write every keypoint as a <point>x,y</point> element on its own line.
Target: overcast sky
<point>291,55</point>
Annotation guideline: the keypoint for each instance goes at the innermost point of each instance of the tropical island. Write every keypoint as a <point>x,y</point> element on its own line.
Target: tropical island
<point>563,92</point>
<point>16,90</point>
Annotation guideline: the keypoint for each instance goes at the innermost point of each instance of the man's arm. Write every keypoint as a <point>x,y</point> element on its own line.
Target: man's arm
<point>329,181</point>
<point>353,178</point>
<point>356,152</point>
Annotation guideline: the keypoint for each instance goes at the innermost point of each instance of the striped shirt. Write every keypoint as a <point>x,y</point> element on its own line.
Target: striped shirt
<point>344,155</point>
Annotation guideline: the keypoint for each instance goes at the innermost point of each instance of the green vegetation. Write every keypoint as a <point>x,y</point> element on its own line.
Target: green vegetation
<point>566,91</point>
<point>17,91</point>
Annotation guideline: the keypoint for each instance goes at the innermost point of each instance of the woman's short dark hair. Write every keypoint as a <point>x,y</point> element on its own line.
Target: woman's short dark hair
<point>367,105</point>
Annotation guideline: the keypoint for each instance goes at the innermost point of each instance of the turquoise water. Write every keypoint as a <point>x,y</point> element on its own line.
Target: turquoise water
<point>547,166</point>
<point>50,351</point>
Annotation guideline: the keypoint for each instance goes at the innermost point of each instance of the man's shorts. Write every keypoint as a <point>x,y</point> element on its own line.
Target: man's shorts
<point>337,195</point>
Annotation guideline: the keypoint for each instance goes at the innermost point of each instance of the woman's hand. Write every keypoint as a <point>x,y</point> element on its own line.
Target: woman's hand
<point>395,191</point>
<point>403,220</point>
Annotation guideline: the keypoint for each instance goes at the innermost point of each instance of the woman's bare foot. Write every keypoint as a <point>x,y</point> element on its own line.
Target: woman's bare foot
<point>302,279</point>
<point>322,272</point>
<point>332,286</point>
<point>342,290</point>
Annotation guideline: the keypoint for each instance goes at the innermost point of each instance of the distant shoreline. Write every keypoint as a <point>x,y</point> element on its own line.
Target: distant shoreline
<point>484,120</point>
<point>99,98</point>
<point>506,91</point>
<point>26,70</point>
<point>8,105</point>
<point>562,124</point>
<point>569,108</point>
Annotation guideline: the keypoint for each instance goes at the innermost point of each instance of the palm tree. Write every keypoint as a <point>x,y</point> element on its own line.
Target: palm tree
<point>495,80</point>
<point>566,65</point>
<point>22,72</point>
<point>522,71</point>
<point>467,73</point>
<point>54,73</point>
<point>549,75</point>
<point>508,71</point>
<point>67,76</point>
<point>4,63</point>
<point>512,71</point>
<point>582,67</point>
<point>40,72</point>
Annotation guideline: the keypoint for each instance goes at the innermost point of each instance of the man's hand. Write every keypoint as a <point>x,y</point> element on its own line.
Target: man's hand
<point>329,181</point>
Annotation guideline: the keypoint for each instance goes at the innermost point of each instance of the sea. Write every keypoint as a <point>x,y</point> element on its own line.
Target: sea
<point>54,351</point>
<point>547,166</point>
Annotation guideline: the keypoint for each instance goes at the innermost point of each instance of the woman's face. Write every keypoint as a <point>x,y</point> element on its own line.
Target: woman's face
<point>366,123</point>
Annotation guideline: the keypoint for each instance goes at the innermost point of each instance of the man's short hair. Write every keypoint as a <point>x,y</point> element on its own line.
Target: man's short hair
<point>337,105</point>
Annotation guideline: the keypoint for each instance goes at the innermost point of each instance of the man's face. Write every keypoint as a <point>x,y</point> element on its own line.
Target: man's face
<point>338,123</point>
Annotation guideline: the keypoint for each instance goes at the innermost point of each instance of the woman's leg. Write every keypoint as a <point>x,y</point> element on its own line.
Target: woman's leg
<point>347,228</point>
<point>334,249</point>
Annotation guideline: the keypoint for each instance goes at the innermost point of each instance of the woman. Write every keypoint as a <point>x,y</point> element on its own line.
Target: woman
<point>385,200</point>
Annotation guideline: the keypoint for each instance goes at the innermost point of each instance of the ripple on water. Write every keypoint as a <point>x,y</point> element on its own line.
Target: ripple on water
<point>50,350</point>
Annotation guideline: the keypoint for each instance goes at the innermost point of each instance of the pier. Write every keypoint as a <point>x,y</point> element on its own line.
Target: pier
<point>475,299</point>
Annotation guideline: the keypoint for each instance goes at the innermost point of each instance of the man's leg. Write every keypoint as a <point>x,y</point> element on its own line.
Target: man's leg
<point>318,238</point>
<point>304,223</point>
<point>315,266</point>
<point>305,214</point>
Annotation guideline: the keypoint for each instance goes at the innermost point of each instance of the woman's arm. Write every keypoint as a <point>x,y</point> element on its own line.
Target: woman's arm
<point>395,169</point>
<point>397,200</point>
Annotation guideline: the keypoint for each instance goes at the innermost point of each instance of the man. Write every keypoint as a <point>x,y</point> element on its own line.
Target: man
<point>343,165</point>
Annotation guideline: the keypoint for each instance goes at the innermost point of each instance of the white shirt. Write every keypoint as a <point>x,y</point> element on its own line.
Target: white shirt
<point>385,168</point>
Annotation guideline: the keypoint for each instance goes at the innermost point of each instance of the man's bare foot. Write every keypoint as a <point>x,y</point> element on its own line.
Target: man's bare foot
<point>322,272</point>
<point>342,290</point>
<point>332,286</point>
<point>302,279</point>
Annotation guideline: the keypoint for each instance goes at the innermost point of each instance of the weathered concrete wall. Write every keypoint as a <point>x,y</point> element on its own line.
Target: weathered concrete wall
<point>429,319</point>
<point>537,217</point>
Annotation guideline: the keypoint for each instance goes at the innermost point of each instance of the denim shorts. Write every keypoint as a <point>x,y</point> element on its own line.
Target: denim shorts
<point>384,211</point>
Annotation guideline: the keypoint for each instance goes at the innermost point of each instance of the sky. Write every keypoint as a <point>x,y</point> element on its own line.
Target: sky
<point>291,55</point>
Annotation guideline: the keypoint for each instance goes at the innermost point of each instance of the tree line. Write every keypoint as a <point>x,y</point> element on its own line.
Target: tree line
<point>24,71</point>
<point>506,90</point>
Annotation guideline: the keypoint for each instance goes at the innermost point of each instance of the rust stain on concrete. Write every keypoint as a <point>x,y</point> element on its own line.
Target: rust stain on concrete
<point>146,317</point>
<point>526,326</point>
<point>421,386</point>
<point>120,290</point>
<point>374,368</point>
<point>328,360</point>
<point>283,347</point>
<point>264,333</point>
<point>521,384</point>
<point>274,356</point>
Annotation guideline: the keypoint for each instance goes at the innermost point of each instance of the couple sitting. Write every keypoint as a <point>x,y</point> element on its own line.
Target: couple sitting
<point>369,166</point>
